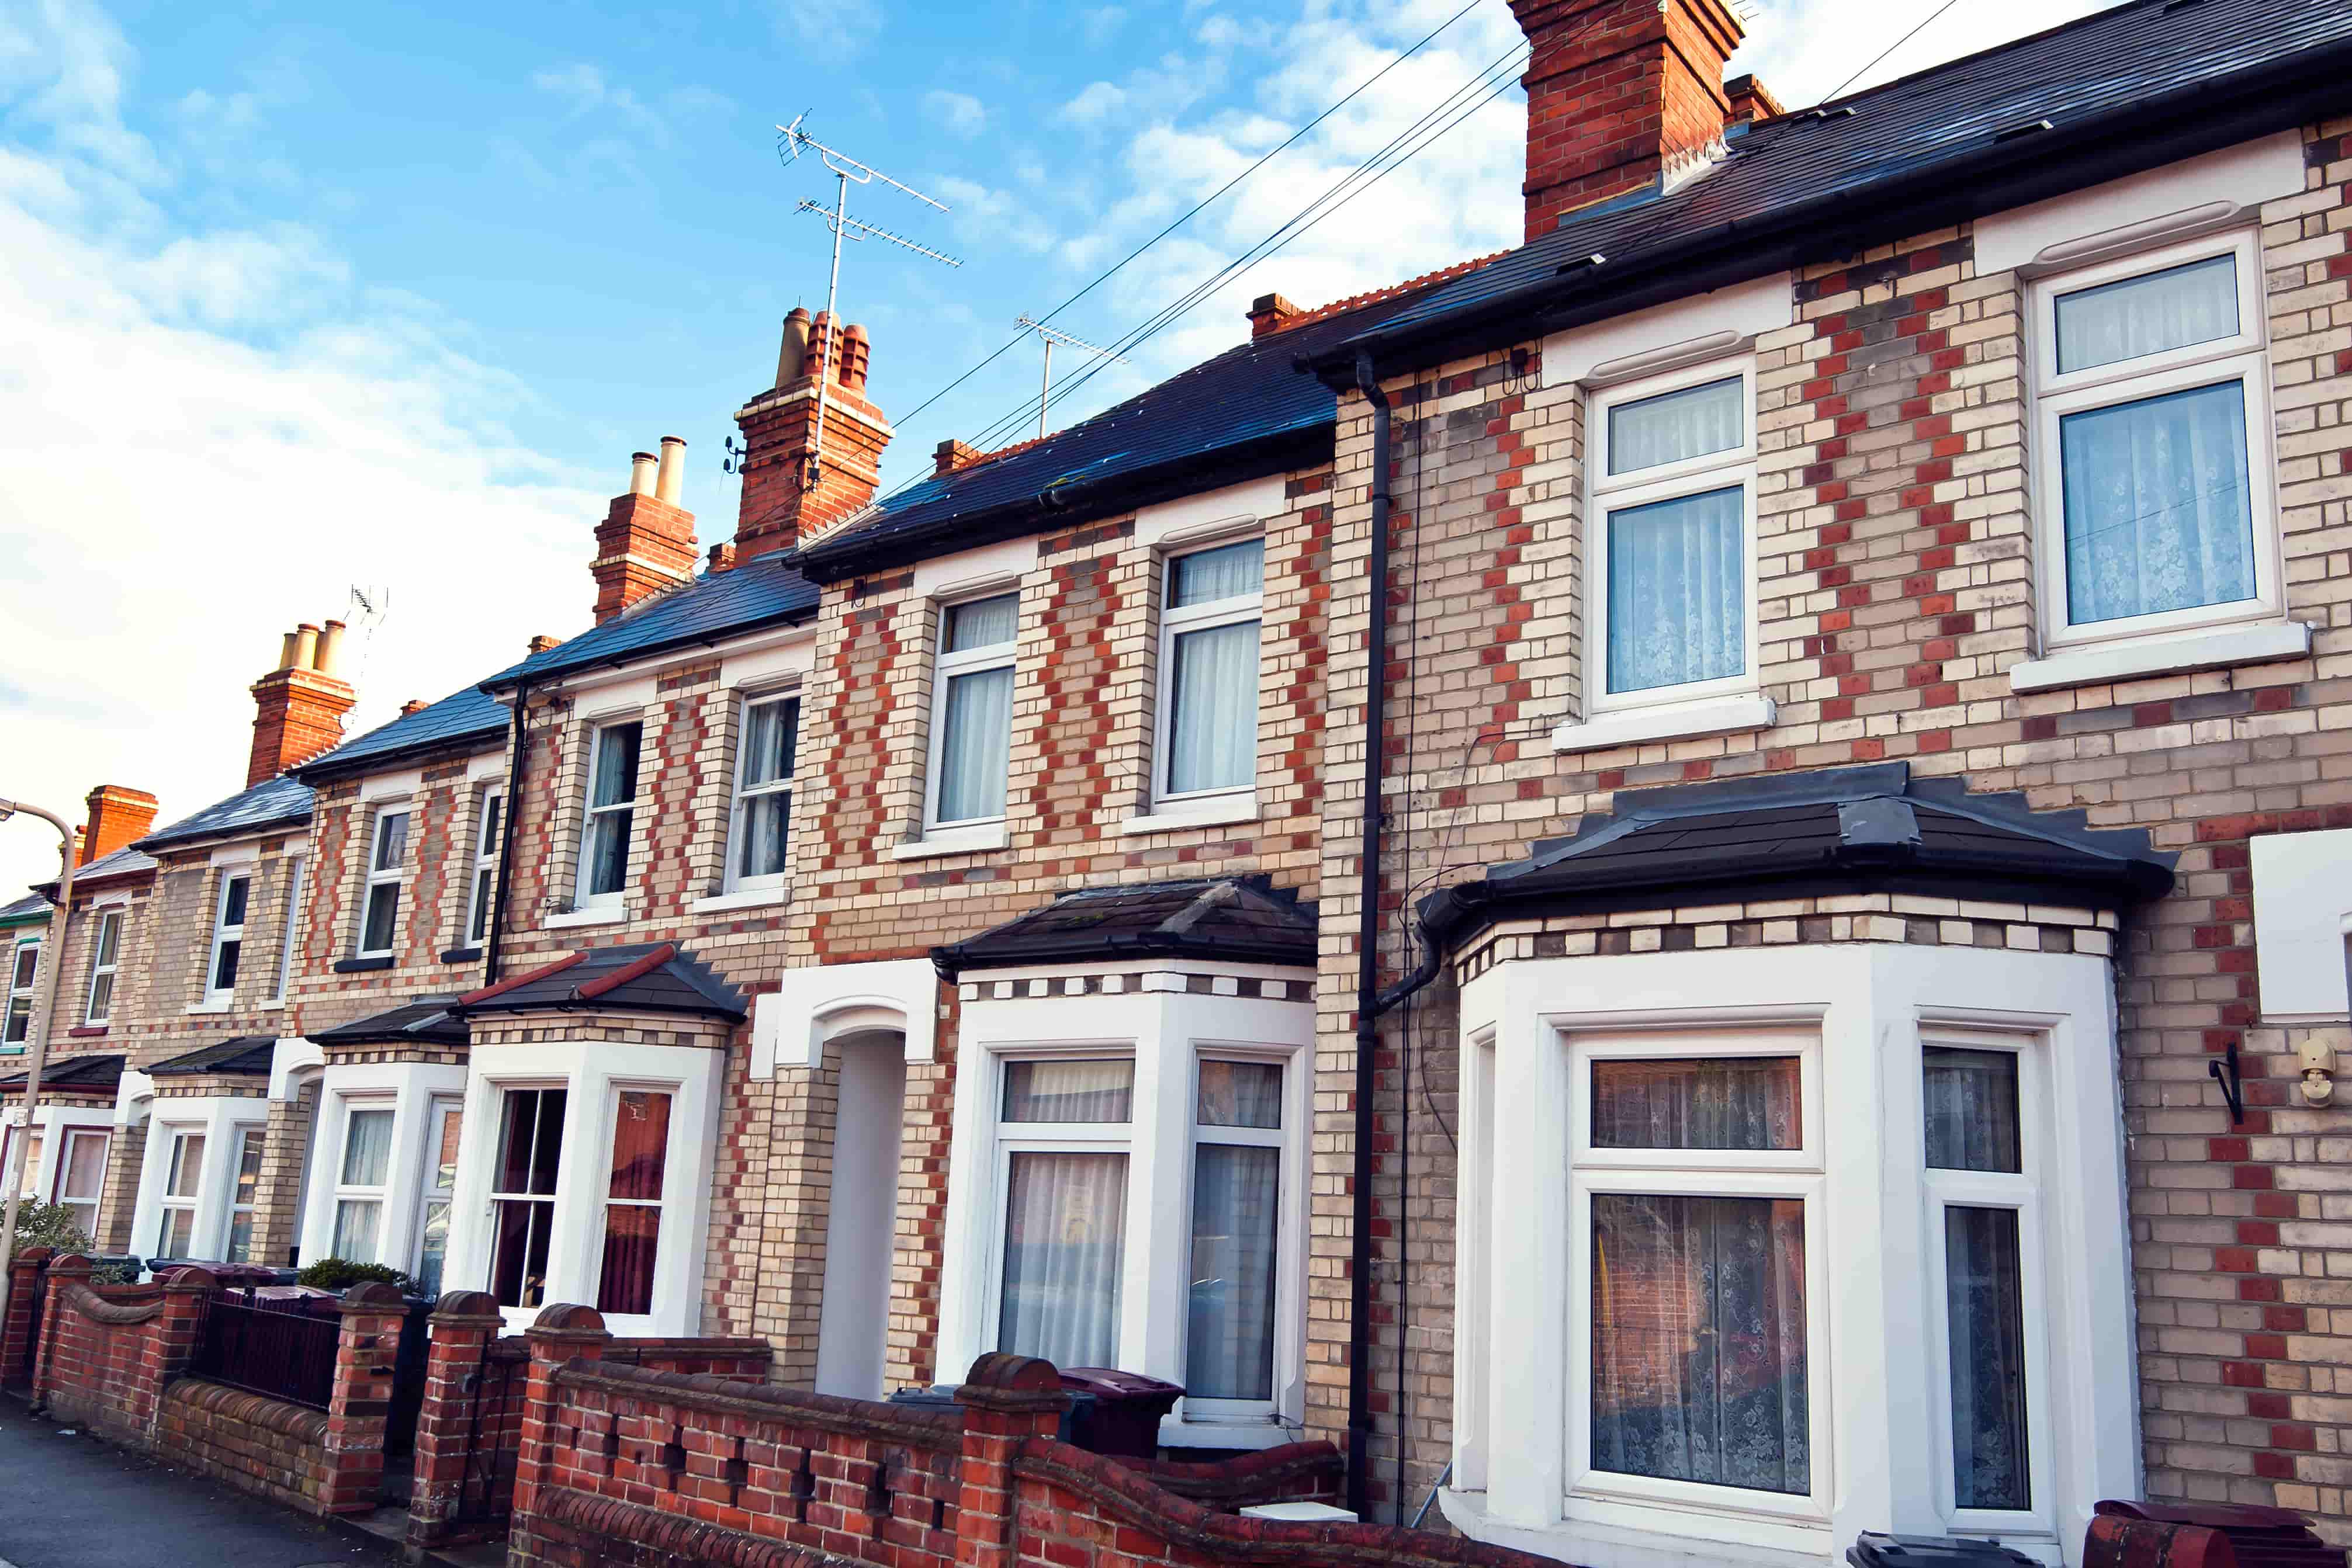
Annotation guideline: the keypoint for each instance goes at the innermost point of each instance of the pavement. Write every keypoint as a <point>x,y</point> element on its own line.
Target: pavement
<point>71,1502</point>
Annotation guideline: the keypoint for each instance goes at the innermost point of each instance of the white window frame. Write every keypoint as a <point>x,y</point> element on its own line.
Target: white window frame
<point>1289,1256</point>
<point>550,1203</point>
<point>1796,1174</point>
<point>1009,1138</point>
<point>600,1199</point>
<point>590,812</point>
<point>377,877</point>
<point>224,934</point>
<point>105,963</point>
<point>29,993</point>
<point>735,881</point>
<point>945,666</point>
<point>2020,1191</point>
<point>289,933</point>
<point>247,1136</point>
<point>2239,358</point>
<point>1174,623</point>
<point>1721,470</point>
<point>95,1201</point>
<point>378,1194</point>
<point>481,880</point>
<point>431,1189</point>
<point>167,1202</point>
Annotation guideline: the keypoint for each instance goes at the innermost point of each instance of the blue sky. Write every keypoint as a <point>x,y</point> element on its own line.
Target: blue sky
<point>288,304</point>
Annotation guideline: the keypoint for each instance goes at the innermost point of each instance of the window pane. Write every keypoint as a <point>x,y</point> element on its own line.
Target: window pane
<point>20,1021</point>
<point>1698,1340</point>
<point>240,1239</point>
<point>444,1162</point>
<point>2170,309</point>
<point>1971,1100</point>
<point>484,886</point>
<point>355,1227</point>
<point>493,806</point>
<point>382,913</point>
<point>632,1238</point>
<point>1093,1091</point>
<point>391,841</point>
<point>1236,1213</point>
<point>1065,1223</point>
<point>85,1173</point>
<point>187,1165</point>
<point>2159,508</point>
<point>179,1232</point>
<point>29,1184</point>
<point>640,1145</point>
<point>518,1262</point>
<point>110,932</point>
<point>1229,571</point>
<point>29,964</point>
<point>249,1166</point>
<point>367,1149</point>
<point>531,1140</point>
<point>1240,1094</point>
<point>1212,733</point>
<point>608,851</point>
<point>1677,592</point>
<point>224,961</point>
<point>975,742</point>
<point>617,764</point>
<point>434,1251</point>
<point>983,623</point>
<point>1984,1301</point>
<point>1735,1103</point>
<point>102,998</point>
<point>765,835</point>
<point>233,902</point>
<point>771,738</point>
<point>1674,425</point>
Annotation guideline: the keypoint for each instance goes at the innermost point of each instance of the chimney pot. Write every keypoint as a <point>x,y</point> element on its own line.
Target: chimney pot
<point>1270,313</point>
<point>669,483</point>
<point>329,649</point>
<point>641,472</point>
<point>286,652</point>
<point>298,707</point>
<point>784,499</point>
<point>792,356</point>
<point>855,353</point>
<point>306,647</point>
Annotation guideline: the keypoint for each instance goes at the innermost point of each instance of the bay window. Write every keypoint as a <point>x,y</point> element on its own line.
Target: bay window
<point>1237,1196</point>
<point>490,812</point>
<point>81,1177</point>
<point>1670,579</point>
<point>1209,635</point>
<point>633,1200</point>
<point>2153,455</point>
<point>611,803</point>
<point>444,1121</point>
<point>387,854</point>
<point>360,1182</point>
<point>759,841</point>
<point>528,1158</point>
<point>105,957</point>
<point>183,1176</point>
<point>248,1187</point>
<point>972,711</point>
<point>289,937</point>
<point>1063,1141</point>
<point>24,970</point>
<point>228,939</point>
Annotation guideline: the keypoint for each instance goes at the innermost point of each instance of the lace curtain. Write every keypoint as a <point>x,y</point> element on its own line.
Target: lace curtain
<point>976,745</point>
<point>1064,1236</point>
<point>1677,592</point>
<point>1985,1313</point>
<point>1971,1102</point>
<point>1731,1102</point>
<point>1236,1210</point>
<point>2159,508</point>
<point>1674,425</point>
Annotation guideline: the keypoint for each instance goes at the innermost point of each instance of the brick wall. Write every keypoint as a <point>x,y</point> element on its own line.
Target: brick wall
<point>1894,557</point>
<point>106,1351</point>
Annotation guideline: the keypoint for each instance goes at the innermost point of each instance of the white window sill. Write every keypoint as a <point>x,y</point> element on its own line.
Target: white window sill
<point>278,1006</point>
<point>744,898</point>
<point>1594,1545</point>
<point>1233,1436</point>
<point>221,1007</point>
<point>951,842</point>
<point>572,917</point>
<point>2211,648</point>
<point>1177,816</point>
<point>1668,721</point>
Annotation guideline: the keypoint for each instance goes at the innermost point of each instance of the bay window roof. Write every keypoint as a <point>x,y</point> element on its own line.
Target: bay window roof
<point>94,1074</point>
<point>428,1021</point>
<point>246,1055</point>
<point>637,976</point>
<point>1851,829</point>
<point>1243,919</point>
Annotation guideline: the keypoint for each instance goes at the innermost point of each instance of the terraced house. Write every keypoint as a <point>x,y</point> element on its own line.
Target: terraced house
<point>1829,1024</point>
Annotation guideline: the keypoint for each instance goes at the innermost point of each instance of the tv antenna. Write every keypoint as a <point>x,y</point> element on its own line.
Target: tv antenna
<point>1049,336</point>
<point>790,142</point>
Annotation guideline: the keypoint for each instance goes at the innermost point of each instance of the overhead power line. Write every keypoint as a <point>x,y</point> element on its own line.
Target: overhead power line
<point>1889,50</point>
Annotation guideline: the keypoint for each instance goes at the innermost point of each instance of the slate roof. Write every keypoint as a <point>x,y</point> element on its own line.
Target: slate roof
<point>637,977</point>
<point>1847,830</point>
<point>248,1054</point>
<point>1199,425</point>
<point>472,714</point>
<point>431,1020</point>
<point>30,907</point>
<point>2114,86</point>
<point>124,861</point>
<point>763,591</point>
<point>1240,919</point>
<point>281,801</point>
<point>92,1073</point>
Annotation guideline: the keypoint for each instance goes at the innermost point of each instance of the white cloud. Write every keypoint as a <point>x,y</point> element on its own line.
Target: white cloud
<point>210,432</point>
<point>1098,25</point>
<point>1096,102</point>
<point>835,29</point>
<point>583,87</point>
<point>959,114</point>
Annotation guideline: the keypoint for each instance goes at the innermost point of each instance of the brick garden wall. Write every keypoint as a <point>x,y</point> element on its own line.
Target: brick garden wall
<point>1895,554</point>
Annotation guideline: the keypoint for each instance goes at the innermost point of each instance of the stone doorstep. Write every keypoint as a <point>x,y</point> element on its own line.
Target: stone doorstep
<point>389,1523</point>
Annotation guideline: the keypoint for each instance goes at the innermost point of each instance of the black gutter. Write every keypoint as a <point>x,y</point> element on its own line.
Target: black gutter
<point>492,943</point>
<point>1997,176</point>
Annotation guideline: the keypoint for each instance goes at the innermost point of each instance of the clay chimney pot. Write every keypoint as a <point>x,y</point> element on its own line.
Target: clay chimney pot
<point>641,472</point>
<point>669,481</point>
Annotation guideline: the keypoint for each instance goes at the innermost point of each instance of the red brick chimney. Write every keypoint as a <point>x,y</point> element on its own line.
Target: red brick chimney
<point>645,543</point>
<point>1618,91</point>
<point>1750,100</point>
<point>1270,313</point>
<point>299,705</point>
<point>116,816</point>
<point>788,500</point>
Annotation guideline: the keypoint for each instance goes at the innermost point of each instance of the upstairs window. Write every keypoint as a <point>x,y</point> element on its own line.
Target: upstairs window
<point>381,915</point>
<point>2152,444</point>
<point>24,969</point>
<point>489,818</point>
<point>105,957</point>
<point>971,712</point>
<point>298,870</point>
<point>1209,670</point>
<point>1671,591</point>
<point>761,842</point>
<point>611,814</point>
<point>228,939</point>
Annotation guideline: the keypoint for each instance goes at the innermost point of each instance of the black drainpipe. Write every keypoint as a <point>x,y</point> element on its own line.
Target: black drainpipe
<point>506,838</point>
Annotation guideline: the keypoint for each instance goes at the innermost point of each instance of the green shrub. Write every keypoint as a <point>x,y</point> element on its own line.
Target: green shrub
<point>341,1274</point>
<point>42,1224</point>
<point>114,1274</point>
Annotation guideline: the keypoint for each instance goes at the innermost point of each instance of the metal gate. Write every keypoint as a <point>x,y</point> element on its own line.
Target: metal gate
<point>408,1369</point>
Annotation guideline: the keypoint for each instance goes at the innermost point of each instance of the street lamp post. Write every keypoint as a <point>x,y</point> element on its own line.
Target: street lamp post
<point>38,1045</point>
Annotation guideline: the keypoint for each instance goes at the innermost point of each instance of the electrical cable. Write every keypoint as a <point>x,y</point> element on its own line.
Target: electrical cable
<point>1889,50</point>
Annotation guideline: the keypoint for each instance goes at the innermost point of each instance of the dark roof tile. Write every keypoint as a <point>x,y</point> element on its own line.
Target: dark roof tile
<point>247,1055</point>
<point>1239,919</point>
<point>472,714</point>
<point>431,1020</point>
<point>639,977</point>
<point>765,591</point>
<point>274,802</point>
<point>91,1073</point>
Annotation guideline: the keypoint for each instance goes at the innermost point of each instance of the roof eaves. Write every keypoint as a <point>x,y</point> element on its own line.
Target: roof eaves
<point>554,671</point>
